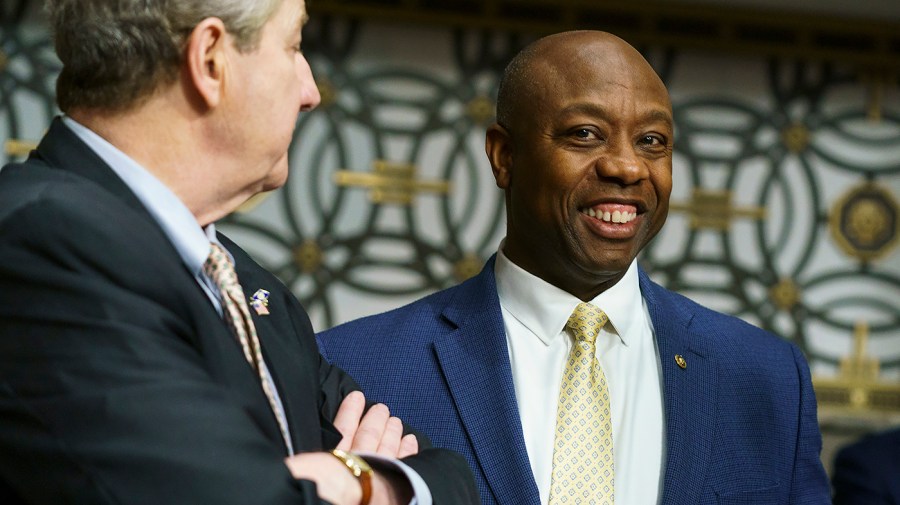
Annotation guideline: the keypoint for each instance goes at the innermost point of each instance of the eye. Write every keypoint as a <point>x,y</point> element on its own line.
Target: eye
<point>652,140</point>
<point>584,133</point>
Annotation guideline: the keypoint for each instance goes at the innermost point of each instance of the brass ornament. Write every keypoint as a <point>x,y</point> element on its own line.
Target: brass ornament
<point>857,387</point>
<point>679,359</point>
<point>865,222</point>
<point>795,137</point>
<point>253,202</point>
<point>785,294</point>
<point>327,92</point>
<point>391,183</point>
<point>713,209</point>
<point>18,148</point>
<point>308,256</point>
<point>480,109</point>
<point>467,267</point>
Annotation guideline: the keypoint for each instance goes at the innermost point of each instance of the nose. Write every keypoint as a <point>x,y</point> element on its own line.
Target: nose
<point>310,96</point>
<point>622,162</point>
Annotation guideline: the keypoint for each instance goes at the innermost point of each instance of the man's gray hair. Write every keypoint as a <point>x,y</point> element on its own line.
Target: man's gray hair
<point>116,53</point>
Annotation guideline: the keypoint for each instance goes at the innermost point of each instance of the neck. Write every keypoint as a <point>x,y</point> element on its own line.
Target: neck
<point>170,139</point>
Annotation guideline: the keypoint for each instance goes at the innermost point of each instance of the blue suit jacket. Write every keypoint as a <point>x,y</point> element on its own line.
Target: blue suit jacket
<point>740,418</point>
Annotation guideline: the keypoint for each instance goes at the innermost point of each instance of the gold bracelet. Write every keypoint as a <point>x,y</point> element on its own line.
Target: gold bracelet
<point>360,469</point>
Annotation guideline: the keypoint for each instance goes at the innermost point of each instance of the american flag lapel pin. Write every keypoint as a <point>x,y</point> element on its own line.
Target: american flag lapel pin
<point>260,302</point>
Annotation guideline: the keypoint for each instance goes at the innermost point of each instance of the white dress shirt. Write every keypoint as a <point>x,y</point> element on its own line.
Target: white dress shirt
<point>534,315</point>
<point>193,245</point>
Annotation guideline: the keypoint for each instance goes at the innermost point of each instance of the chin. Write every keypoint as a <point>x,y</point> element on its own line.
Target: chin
<point>277,177</point>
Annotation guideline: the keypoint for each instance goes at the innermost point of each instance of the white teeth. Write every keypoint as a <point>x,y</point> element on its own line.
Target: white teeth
<point>616,216</point>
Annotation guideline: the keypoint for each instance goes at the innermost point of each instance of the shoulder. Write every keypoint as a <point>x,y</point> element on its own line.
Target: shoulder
<point>426,310</point>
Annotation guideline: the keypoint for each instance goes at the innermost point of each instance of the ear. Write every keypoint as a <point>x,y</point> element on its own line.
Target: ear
<point>498,146</point>
<point>205,59</point>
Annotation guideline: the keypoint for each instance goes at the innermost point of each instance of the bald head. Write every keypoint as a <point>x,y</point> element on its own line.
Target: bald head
<point>556,60</point>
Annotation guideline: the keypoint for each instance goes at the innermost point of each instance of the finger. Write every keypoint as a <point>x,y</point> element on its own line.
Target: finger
<point>371,429</point>
<point>347,419</point>
<point>409,446</point>
<point>390,440</point>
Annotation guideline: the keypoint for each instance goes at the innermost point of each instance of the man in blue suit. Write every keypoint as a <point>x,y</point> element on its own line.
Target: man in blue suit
<point>702,407</point>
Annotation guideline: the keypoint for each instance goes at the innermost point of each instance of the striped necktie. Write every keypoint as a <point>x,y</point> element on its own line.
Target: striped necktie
<point>583,466</point>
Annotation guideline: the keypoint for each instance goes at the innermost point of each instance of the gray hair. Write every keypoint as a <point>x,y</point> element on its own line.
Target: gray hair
<point>116,53</point>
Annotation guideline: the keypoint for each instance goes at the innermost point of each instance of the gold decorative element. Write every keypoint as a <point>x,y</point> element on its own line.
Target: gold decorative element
<point>865,222</point>
<point>308,256</point>
<point>327,92</point>
<point>785,294</point>
<point>857,387</point>
<point>480,109</point>
<point>252,202</point>
<point>875,83</point>
<point>710,208</point>
<point>795,137</point>
<point>18,148</point>
<point>391,183</point>
<point>467,267</point>
<point>681,362</point>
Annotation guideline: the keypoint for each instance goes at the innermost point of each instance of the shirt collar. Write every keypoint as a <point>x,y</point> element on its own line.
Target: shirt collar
<point>178,223</point>
<point>544,308</point>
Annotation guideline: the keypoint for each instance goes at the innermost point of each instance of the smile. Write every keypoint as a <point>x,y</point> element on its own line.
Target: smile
<point>616,216</point>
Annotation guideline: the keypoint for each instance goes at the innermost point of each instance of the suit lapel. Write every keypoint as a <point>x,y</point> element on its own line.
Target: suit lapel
<point>475,363</point>
<point>690,396</point>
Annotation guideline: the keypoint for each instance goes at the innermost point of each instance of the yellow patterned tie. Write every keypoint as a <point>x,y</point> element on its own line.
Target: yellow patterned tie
<point>220,269</point>
<point>583,468</point>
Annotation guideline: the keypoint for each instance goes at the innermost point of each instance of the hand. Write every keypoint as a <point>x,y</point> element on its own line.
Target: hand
<point>376,431</point>
<point>334,482</point>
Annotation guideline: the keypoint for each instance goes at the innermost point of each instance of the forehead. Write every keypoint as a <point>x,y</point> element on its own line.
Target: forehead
<point>597,71</point>
<point>290,14</point>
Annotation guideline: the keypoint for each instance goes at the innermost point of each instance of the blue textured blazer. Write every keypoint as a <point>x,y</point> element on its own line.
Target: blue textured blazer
<point>740,418</point>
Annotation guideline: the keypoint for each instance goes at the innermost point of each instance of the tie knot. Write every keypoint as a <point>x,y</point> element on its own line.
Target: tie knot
<point>586,321</point>
<point>218,265</point>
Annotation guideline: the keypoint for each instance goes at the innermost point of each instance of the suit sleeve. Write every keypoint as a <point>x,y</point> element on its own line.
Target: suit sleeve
<point>104,395</point>
<point>810,483</point>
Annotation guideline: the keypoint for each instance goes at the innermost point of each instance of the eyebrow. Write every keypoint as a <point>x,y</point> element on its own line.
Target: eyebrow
<point>593,109</point>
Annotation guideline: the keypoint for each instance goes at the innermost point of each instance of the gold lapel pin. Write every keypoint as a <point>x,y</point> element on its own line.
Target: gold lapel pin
<point>681,362</point>
<point>260,302</point>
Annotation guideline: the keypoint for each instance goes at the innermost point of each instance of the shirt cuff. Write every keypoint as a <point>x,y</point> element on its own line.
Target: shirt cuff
<point>421,493</point>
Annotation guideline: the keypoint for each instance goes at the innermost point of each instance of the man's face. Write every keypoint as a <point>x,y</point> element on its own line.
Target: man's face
<point>589,165</point>
<point>271,85</point>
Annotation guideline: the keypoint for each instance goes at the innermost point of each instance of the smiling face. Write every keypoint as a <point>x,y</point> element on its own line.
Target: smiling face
<point>585,159</point>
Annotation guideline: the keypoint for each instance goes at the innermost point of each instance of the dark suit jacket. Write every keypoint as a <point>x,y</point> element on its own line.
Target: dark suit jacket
<point>119,381</point>
<point>740,419</point>
<point>867,472</point>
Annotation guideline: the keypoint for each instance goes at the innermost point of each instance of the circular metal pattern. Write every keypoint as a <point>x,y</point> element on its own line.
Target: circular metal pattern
<point>865,223</point>
<point>773,150</point>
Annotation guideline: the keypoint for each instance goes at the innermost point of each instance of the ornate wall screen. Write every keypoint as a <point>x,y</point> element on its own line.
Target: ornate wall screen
<point>787,167</point>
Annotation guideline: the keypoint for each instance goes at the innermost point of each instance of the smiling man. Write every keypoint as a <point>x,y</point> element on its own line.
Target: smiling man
<point>131,368</point>
<point>562,372</point>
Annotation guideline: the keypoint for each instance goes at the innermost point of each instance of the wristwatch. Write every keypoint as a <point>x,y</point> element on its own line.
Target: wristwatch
<point>360,469</point>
